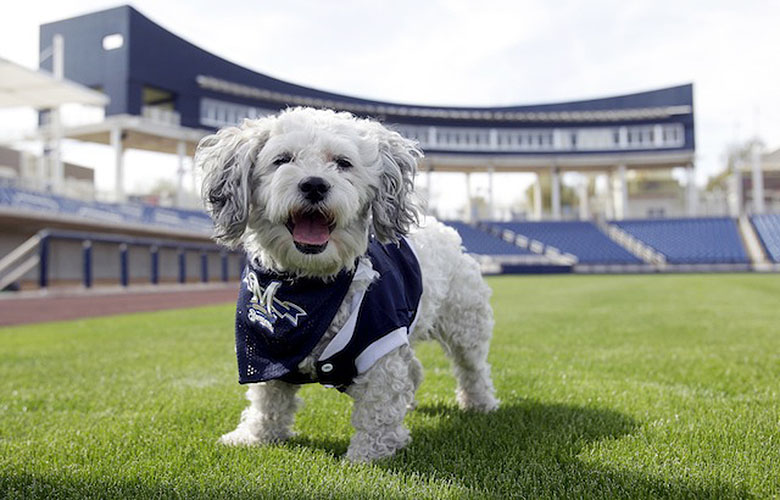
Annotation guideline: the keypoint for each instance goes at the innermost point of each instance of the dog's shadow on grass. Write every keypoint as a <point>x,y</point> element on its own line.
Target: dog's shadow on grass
<point>527,449</point>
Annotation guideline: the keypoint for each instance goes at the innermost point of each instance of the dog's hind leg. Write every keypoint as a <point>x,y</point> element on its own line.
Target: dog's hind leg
<point>382,396</point>
<point>269,416</point>
<point>464,327</point>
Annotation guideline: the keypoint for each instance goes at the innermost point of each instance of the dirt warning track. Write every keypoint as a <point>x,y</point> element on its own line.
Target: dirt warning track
<point>25,308</point>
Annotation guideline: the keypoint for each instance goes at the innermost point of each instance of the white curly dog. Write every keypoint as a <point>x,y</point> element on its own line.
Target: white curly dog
<point>307,193</point>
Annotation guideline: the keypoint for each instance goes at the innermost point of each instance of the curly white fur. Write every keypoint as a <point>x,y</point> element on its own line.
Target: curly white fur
<point>252,188</point>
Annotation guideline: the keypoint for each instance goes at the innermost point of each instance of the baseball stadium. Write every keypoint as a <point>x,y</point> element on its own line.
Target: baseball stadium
<point>635,315</point>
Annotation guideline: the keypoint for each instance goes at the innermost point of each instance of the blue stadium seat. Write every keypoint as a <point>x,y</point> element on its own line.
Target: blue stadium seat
<point>6,195</point>
<point>116,213</point>
<point>768,229</point>
<point>482,243</point>
<point>582,239</point>
<point>690,241</point>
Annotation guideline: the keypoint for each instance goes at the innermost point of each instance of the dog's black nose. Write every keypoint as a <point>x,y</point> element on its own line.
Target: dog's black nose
<point>314,189</point>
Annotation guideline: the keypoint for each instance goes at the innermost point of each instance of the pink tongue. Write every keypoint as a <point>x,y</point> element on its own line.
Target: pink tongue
<point>311,229</point>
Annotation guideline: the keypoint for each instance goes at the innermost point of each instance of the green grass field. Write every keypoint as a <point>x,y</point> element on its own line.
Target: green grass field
<point>622,386</point>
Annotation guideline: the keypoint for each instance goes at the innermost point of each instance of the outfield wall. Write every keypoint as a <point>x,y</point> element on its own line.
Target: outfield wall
<point>65,262</point>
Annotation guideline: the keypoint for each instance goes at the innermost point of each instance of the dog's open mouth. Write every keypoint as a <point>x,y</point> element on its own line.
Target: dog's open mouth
<point>310,230</point>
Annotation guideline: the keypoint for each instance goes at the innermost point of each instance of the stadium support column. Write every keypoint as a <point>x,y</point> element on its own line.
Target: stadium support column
<point>582,194</point>
<point>58,66</point>
<point>609,206</point>
<point>736,203</point>
<point>181,153</point>
<point>758,180</point>
<point>119,157</point>
<point>469,208</point>
<point>691,192</point>
<point>620,193</point>
<point>538,197</point>
<point>555,192</point>
<point>428,183</point>
<point>491,205</point>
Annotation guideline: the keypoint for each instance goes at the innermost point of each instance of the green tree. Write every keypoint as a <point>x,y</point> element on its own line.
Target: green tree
<point>568,194</point>
<point>736,154</point>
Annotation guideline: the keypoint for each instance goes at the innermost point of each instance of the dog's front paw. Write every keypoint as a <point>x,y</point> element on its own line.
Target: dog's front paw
<point>364,456</point>
<point>484,403</point>
<point>245,436</point>
<point>367,447</point>
<point>240,437</point>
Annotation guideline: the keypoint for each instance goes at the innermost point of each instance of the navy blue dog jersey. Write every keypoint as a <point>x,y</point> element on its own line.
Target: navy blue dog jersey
<point>280,320</point>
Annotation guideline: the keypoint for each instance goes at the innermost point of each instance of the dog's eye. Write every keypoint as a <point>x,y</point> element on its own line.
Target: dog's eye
<point>282,159</point>
<point>342,163</point>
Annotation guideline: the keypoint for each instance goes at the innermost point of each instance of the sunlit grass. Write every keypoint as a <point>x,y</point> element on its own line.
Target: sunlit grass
<point>628,386</point>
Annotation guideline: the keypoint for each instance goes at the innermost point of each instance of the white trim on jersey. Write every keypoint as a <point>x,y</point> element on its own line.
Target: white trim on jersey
<point>379,348</point>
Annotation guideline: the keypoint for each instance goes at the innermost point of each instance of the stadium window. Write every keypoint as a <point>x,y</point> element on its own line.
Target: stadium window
<point>113,42</point>
<point>671,135</point>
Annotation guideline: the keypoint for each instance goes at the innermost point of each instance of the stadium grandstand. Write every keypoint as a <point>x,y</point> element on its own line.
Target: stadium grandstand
<point>768,228</point>
<point>691,241</point>
<point>158,92</point>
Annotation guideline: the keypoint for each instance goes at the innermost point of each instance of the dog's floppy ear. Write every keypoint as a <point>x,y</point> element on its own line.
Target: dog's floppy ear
<point>395,208</point>
<point>226,160</point>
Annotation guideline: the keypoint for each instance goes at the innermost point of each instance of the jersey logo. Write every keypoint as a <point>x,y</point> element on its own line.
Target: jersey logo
<point>265,308</point>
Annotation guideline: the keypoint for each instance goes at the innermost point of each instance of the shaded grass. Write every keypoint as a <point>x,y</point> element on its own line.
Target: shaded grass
<point>623,386</point>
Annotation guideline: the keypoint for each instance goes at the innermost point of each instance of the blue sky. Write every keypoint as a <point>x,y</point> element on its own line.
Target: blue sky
<point>490,52</point>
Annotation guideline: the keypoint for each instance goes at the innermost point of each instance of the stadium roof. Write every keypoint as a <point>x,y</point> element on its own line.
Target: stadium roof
<point>23,87</point>
<point>443,162</point>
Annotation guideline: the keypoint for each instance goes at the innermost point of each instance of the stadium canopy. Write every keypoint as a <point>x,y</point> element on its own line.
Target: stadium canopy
<point>23,87</point>
<point>124,131</point>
